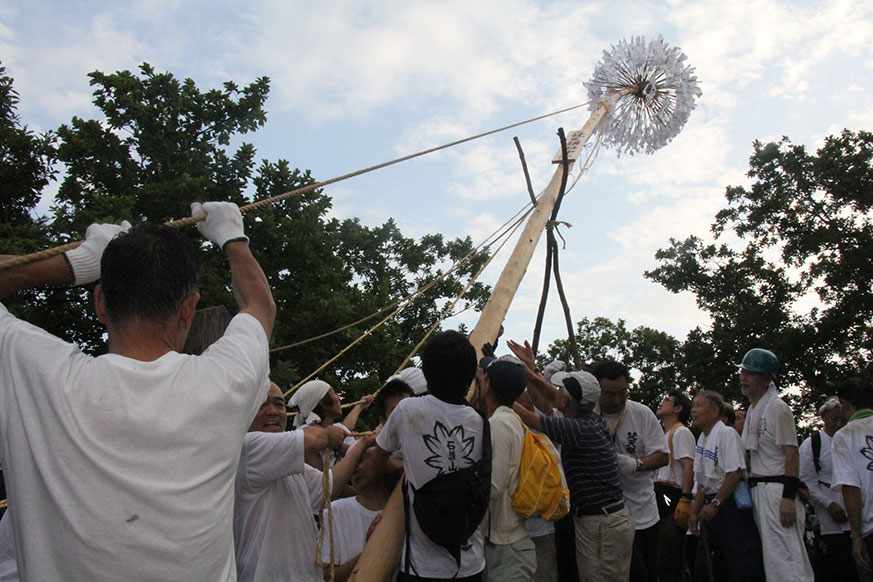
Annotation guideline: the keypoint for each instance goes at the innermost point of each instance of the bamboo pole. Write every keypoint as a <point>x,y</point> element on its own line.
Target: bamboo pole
<point>381,555</point>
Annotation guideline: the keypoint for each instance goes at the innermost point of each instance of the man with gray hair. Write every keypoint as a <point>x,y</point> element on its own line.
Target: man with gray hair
<point>604,527</point>
<point>816,471</point>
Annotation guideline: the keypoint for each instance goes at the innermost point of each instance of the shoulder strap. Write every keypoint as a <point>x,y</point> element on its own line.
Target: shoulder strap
<point>816,450</point>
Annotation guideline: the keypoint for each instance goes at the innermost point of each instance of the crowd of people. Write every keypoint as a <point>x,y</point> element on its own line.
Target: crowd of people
<point>148,464</point>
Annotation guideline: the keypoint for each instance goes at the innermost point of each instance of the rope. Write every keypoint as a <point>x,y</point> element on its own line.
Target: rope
<point>506,237</point>
<point>325,501</point>
<point>481,247</point>
<point>519,216</point>
<point>48,253</point>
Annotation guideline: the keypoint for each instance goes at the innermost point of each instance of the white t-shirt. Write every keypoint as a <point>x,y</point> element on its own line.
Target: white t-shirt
<point>435,437</point>
<point>121,469</point>
<point>683,448</point>
<point>639,435</point>
<point>820,492</point>
<point>351,521</point>
<point>776,430</point>
<point>716,455</point>
<point>852,453</point>
<point>277,495</point>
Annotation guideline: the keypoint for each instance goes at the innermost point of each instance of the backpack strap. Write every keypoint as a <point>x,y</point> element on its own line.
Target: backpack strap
<point>816,450</point>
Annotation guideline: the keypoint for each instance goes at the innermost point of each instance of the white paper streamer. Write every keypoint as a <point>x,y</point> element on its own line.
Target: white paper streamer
<point>662,94</point>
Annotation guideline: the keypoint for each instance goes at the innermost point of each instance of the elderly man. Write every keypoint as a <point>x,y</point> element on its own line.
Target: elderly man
<point>277,494</point>
<point>604,526</point>
<point>642,448</point>
<point>770,438</point>
<point>109,460</point>
<point>852,452</point>
<point>729,547</point>
<point>816,471</point>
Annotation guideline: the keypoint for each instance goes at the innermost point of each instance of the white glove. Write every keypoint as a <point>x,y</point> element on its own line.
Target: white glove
<point>552,368</point>
<point>84,260</point>
<point>626,464</point>
<point>223,222</point>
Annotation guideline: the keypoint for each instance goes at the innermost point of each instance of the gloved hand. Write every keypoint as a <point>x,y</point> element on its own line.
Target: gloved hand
<point>84,260</point>
<point>682,513</point>
<point>223,222</point>
<point>626,464</point>
<point>552,368</point>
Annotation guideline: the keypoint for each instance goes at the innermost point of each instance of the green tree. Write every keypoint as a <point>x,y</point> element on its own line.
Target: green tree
<point>798,282</point>
<point>25,169</point>
<point>162,143</point>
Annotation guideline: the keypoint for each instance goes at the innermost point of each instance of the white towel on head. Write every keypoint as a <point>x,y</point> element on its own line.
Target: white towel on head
<point>306,398</point>
<point>752,427</point>
<point>413,377</point>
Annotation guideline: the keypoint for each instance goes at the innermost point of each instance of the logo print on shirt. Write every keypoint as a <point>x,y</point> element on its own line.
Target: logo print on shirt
<point>631,443</point>
<point>868,452</point>
<point>449,447</point>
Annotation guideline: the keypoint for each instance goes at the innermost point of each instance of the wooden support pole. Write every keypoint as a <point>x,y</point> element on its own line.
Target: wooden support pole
<point>381,555</point>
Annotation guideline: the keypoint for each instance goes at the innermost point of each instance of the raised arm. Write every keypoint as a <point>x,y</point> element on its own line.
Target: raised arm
<point>78,266</point>
<point>224,227</point>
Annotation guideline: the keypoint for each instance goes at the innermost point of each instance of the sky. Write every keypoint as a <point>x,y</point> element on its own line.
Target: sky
<point>357,83</point>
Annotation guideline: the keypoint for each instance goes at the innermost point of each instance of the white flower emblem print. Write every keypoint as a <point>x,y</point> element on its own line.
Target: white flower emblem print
<point>448,448</point>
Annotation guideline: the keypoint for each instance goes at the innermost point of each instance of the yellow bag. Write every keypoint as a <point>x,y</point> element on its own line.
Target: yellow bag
<point>542,490</point>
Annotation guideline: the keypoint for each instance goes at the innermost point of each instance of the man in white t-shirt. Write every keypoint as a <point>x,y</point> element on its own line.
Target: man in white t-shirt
<point>641,449</point>
<point>816,471</point>
<point>729,547</point>
<point>770,438</point>
<point>354,517</point>
<point>673,484</point>
<point>111,467</point>
<point>277,494</point>
<point>852,453</point>
<point>437,433</point>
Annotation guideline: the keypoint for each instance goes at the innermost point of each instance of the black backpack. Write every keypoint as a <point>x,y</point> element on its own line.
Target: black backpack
<point>450,507</point>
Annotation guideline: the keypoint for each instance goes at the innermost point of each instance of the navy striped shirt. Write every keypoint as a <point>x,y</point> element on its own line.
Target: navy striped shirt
<point>588,457</point>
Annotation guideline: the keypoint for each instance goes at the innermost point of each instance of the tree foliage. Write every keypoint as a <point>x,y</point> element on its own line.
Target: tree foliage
<point>161,143</point>
<point>790,269</point>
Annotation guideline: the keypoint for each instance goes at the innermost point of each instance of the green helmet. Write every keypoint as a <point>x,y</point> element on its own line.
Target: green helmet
<point>760,360</point>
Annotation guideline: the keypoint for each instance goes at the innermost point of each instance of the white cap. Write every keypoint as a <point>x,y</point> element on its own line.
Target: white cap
<point>589,385</point>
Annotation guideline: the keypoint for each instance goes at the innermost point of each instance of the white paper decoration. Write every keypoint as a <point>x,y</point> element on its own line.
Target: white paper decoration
<point>661,94</point>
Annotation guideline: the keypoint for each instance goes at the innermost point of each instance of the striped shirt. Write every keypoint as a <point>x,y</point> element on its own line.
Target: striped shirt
<point>589,459</point>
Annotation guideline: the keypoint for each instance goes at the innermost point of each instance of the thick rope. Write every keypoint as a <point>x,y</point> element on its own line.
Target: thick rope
<point>48,253</point>
<point>325,502</point>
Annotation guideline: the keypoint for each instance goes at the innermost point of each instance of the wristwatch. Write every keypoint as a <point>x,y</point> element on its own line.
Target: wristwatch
<point>639,464</point>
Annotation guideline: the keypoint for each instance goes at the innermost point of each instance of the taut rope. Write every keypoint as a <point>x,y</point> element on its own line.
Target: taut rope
<point>48,253</point>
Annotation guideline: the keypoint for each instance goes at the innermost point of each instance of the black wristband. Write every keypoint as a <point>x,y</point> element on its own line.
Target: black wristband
<point>687,496</point>
<point>789,487</point>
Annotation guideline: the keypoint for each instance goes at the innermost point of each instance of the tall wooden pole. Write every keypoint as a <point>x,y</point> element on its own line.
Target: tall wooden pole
<point>504,290</point>
<point>380,557</point>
